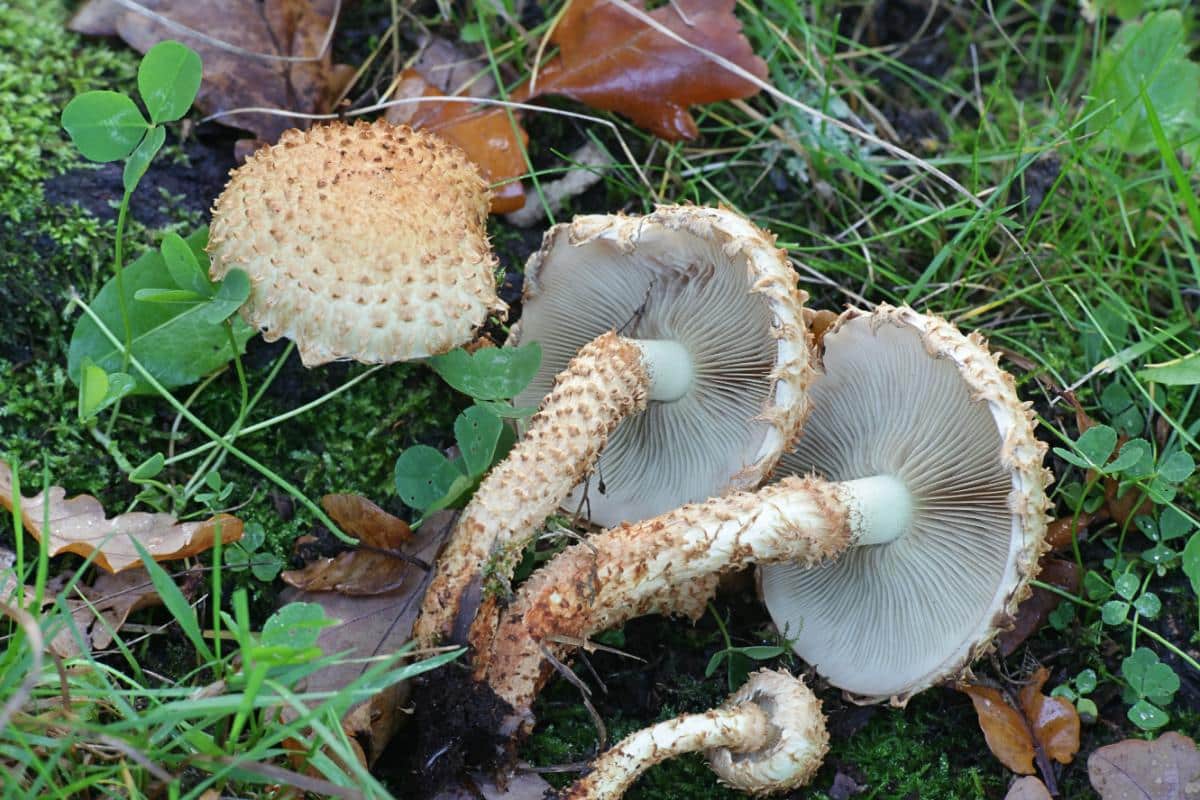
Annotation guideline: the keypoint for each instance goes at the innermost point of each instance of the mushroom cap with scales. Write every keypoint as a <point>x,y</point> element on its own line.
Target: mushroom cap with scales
<point>907,397</point>
<point>362,241</point>
<point>709,292</point>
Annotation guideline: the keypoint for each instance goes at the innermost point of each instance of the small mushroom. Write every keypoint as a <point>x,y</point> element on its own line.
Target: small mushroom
<point>363,241</point>
<point>768,737</point>
<point>950,487</point>
<point>703,388</point>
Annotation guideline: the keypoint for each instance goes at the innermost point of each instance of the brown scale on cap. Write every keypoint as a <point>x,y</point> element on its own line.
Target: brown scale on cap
<point>363,241</point>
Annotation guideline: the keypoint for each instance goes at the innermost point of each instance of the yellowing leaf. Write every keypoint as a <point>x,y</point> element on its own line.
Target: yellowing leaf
<point>78,525</point>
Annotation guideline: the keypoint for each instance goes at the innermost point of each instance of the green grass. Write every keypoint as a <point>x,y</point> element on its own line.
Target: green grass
<point>1106,260</point>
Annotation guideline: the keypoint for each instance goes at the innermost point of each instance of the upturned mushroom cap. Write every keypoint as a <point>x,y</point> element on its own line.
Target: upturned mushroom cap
<point>709,280</point>
<point>364,242</point>
<point>908,396</point>
<point>797,744</point>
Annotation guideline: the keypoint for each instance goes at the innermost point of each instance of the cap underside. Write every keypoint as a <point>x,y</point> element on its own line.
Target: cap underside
<point>886,620</point>
<point>673,285</point>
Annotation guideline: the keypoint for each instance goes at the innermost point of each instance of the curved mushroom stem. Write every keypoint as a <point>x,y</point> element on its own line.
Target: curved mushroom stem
<point>769,736</point>
<point>603,384</point>
<point>667,564</point>
<point>739,729</point>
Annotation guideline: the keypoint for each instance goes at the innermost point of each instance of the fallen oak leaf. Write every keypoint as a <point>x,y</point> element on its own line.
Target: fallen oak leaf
<point>371,626</point>
<point>1035,609</point>
<point>376,567</point>
<point>1036,727</point>
<point>78,525</point>
<point>610,60</point>
<point>276,55</point>
<point>496,145</point>
<point>1167,768</point>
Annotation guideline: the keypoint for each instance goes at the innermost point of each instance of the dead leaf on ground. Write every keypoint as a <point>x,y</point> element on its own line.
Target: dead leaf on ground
<point>371,626</point>
<point>486,136</point>
<point>478,786</point>
<point>1035,609</point>
<point>1060,532</point>
<point>609,59</point>
<point>99,610</point>
<point>287,28</point>
<point>78,525</point>
<point>1167,768</point>
<point>1038,726</point>
<point>1028,788</point>
<point>377,566</point>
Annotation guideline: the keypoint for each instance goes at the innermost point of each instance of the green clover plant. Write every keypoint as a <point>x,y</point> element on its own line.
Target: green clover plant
<point>428,481</point>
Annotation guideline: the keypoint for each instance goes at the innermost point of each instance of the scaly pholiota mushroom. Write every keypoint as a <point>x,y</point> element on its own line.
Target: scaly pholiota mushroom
<point>700,387</point>
<point>950,484</point>
<point>362,241</point>
<point>768,737</point>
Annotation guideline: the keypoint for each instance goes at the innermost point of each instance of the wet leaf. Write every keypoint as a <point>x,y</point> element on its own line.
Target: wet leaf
<point>378,566</point>
<point>272,29</point>
<point>1016,734</point>
<point>609,59</point>
<point>1035,609</point>
<point>371,626</point>
<point>78,525</point>
<point>1053,720</point>
<point>1167,768</point>
<point>99,610</point>
<point>1028,788</point>
<point>495,144</point>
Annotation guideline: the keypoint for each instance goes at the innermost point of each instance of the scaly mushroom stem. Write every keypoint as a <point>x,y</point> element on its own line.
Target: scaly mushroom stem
<point>740,729</point>
<point>602,385</point>
<point>769,736</point>
<point>668,564</point>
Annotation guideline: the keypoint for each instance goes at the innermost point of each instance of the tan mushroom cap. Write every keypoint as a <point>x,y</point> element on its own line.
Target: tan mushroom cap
<point>363,241</point>
<point>796,746</point>
<point>907,396</point>
<point>716,284</point>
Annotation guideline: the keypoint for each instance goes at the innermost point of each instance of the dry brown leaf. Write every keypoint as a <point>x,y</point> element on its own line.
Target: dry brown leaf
<point>1004,729</point>
<point>288,28</point>
<point>1041,727</point>
<point>78,525</point>
<point>1028,788</point>
<point>100,610</point>
<point>1060,532</point>
<point>1167,768</point>
<point>609,59</point>
<point>1035,609</point>
<point>486,136</point>
<point>1053,720</point>
<point>373,568</point>
<point>371,626</point>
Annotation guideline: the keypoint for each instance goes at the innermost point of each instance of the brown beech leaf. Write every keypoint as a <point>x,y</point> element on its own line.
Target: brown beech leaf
<point>371,626</point>
<point>274,28</point>
<point>609,59</point>
<point>1004,729</point>
<point>1027,788</point>
<point>1040,726</point>
<point>1054,721</point>
<point>486,136</point>
<point>376,566</point>
<point>1167,768</point>
<point>78,525</point>
<point>1035,609</point>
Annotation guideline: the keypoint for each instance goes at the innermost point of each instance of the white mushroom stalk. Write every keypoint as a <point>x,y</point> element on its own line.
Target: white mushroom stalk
<point>944,520</point>
<point>702,390</point>
<point>768,737</point>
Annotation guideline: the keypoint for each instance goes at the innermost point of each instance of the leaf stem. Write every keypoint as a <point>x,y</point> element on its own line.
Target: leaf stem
<point>220,441</point>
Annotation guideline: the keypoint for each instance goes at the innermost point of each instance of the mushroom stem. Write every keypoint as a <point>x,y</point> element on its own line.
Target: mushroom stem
<point>667,564</point>
<point>603,384</point>
<point>768,736</point>
<point>881,508</point>
<point>669,365</point>
<point>742,728</point>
